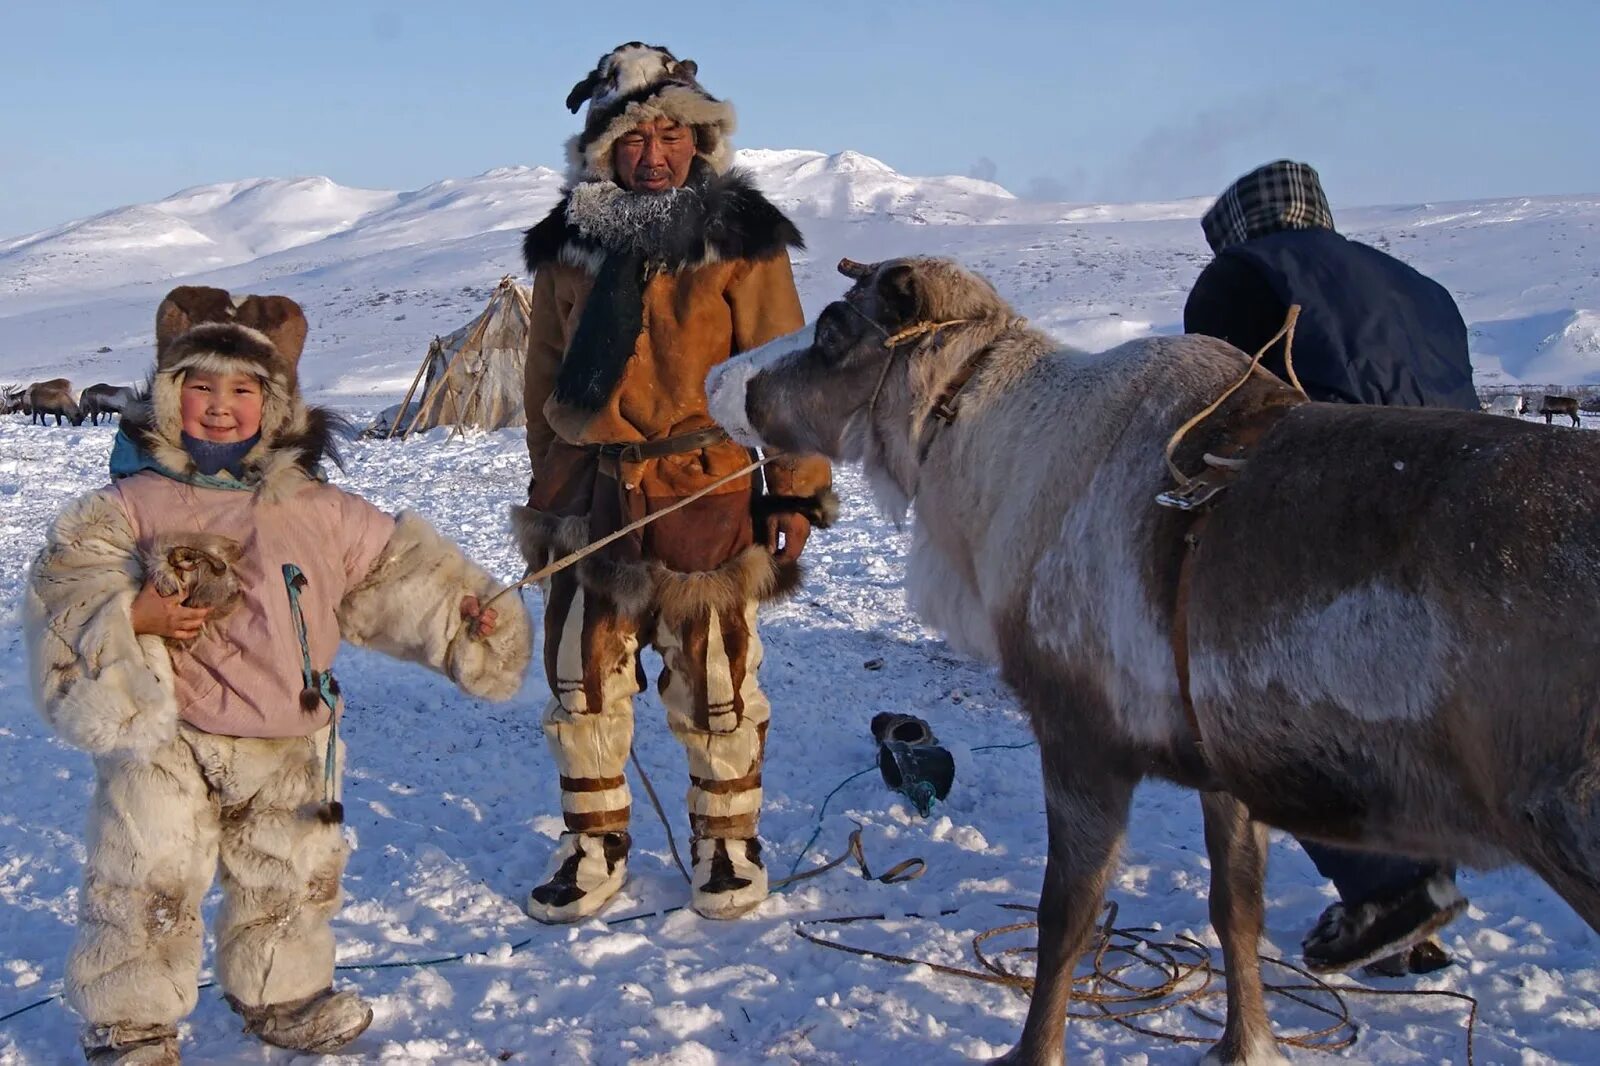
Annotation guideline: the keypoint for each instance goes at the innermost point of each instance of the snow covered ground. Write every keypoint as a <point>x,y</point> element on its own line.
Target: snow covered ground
<point>452,803</point>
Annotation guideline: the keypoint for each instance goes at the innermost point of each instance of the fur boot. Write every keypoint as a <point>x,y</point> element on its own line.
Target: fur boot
<point>131,1045</point>
<point>585,872</point>
<point>730,880</point>
<point>320,1023</point>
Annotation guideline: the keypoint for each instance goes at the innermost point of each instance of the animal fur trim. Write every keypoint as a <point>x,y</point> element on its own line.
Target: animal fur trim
<point>590,154</point>
<point>636,83</point>
<point>821,509</point>
<point>725,217</point>
<point>637,588</point>
<point>542,538</point>
<point>98,685</point>
<point>205,329</point>
<point>753,574</point>
<point>295,439</point>
<point>215,319</point>
<point>408,606</point>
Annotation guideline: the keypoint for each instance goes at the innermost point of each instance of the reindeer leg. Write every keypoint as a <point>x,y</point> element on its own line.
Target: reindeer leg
<point>1564,849</point>
<point>1086,806</point>
<point>1238,851</point>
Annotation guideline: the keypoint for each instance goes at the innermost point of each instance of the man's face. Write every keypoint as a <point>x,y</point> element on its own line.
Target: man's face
<point>654,156</point>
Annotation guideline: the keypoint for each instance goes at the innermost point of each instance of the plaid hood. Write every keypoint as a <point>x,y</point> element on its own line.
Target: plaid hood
<point>1278,196</point>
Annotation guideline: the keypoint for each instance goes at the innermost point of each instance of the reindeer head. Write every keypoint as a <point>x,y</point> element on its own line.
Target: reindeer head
<point>859,383</point>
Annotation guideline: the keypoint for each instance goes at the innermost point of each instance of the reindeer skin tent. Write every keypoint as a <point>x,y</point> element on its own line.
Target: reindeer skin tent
<point>473,377</point>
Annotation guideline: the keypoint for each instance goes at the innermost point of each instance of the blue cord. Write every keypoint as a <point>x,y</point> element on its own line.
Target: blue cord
<point>823,810</point>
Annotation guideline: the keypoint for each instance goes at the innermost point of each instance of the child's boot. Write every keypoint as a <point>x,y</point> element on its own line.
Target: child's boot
<point>320,1023</point>
<point>131,1045</point>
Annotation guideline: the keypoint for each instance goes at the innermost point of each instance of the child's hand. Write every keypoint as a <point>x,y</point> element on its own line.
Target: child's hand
<point>480,621</point>
<point>166,616</point>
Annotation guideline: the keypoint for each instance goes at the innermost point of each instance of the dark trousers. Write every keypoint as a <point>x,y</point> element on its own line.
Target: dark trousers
<point>1364,876</point>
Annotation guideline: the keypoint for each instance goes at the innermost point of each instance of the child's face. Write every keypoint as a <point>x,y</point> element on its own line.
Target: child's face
<point>225,408</point>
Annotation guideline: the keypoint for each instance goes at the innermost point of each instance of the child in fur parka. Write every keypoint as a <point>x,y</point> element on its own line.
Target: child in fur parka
<point>181,624</point>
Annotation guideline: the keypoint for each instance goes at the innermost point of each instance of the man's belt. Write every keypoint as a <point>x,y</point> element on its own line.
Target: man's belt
<point>655,449</point>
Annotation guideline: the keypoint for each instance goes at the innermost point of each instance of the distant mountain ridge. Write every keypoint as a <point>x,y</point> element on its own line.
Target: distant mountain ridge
<point>381,271</point>
<point>226,224</point>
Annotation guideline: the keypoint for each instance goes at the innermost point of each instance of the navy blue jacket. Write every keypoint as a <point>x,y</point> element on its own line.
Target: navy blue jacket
<point>1371,329</point>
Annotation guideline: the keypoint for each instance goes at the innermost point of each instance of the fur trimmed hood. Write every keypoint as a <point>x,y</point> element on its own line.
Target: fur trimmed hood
<point>712,217</point>
<point>208,329</point>
<point>636,83</point>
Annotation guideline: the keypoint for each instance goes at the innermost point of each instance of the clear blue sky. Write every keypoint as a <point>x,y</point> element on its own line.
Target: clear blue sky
<point>111,103</point>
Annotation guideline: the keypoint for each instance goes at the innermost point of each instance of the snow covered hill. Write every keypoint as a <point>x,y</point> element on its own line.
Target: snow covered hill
<point>381,272</point>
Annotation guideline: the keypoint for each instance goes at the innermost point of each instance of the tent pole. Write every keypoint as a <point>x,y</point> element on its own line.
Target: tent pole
<point>470,342</point>
<point>417,378</point>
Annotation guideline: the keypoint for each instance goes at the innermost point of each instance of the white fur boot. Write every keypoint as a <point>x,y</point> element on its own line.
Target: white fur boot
<point>729,879</point>
<point>584,873</point>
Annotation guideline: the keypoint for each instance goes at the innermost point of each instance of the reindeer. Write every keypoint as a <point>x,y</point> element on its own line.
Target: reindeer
<point>11,398</point>
<point>1510,403</point>
<point>1339,642</point>
<point>1560,405</point>
<point>102,399</point>
<point>53,397</point>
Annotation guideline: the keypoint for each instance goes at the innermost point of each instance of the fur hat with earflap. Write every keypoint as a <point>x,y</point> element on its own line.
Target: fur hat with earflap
<point>719,214</point>
<point>199,328</point>
<point>636,83</point>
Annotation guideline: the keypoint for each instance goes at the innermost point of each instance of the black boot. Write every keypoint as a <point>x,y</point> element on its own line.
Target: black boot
<point>1425,957</point>
<point>1349,937</point>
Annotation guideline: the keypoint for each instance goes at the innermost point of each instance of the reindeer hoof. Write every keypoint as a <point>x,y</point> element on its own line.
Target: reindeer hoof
<point>1237,1053</point>
<point>1019,1056</point>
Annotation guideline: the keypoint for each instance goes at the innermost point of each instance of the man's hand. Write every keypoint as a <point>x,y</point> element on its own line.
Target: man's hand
<point>166,616</point>
<point>787,535</point>
<point>480,621</point>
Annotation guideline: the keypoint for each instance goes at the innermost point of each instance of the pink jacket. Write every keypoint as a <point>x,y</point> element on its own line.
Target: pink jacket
<point>243,676</point>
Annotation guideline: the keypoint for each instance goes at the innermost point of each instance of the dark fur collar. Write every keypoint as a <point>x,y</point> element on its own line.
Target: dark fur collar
<point>714,217</point>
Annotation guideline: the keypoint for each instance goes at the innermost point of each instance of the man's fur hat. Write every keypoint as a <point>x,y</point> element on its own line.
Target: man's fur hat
<point>636,83</point>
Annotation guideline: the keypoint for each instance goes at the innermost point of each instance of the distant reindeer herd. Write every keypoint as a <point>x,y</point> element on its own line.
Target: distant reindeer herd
<point>1516,405</point>
<point>56,397</point>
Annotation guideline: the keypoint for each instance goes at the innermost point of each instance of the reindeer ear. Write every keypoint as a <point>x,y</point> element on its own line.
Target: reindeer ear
<point>897,287</point>
<point>687,67</point>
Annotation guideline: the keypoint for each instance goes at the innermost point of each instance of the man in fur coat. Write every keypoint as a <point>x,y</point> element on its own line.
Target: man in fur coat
<point>658,263</point>
<point>181,627</point>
